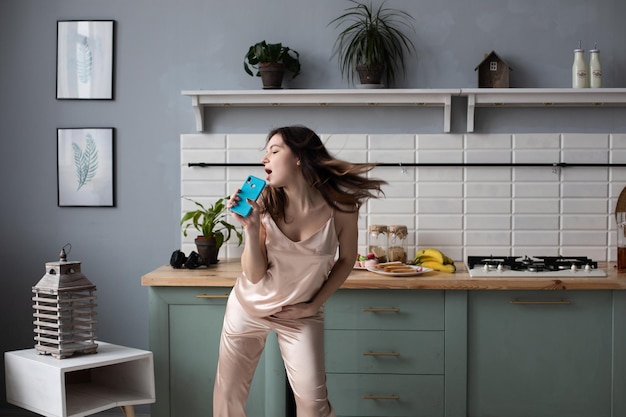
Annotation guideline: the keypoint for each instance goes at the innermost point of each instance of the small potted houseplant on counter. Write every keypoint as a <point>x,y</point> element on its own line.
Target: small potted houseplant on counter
<point>215,230</point>
<point>372,43</point>
<point>270,61</point>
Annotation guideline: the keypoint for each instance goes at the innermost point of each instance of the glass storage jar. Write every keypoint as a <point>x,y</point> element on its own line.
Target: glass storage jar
<point>377,242</point>
<point>397,248</point>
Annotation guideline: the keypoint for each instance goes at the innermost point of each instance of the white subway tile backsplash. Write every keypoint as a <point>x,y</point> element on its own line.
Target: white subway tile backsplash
<point>392,142</point>
<point>535,156</point>
<point>536,222</point>
<point>537,142</point>
<point>585,190</point>
<point>585,222</point>
<point>488,142</point>
<point>485,189</point>
<point>464,211</point>
<point>429,189</point>
<point>583,205</point>
<point>618,140</point>
<point>439,174</point>
<point>487,222</point>
<point>441,142</point>
<point>585,140</point>
<point>585,156</point>
<point>490,174</point>
<point>439,156</point>
<point>584,238</point>
<point>487,238</point>
<point>536,206</point>
<point>536,238</point>
<point>487,206</point>
<point>439,222</point>
<point>490,156</point>
<point>534,189</point>
<point>439,205</point>
<point>337,142</point>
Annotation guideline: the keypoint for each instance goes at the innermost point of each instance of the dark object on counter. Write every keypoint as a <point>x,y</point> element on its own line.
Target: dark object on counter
<point>178,260</point>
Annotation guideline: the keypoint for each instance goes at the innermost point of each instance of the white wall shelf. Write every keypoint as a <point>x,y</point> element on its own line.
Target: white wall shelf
<point>476,97</point>
<point>326,97</point>
<point>541,97</point>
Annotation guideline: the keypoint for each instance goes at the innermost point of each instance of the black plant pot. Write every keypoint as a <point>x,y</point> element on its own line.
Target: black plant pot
<point>370,75</point>
<point>207,250</point>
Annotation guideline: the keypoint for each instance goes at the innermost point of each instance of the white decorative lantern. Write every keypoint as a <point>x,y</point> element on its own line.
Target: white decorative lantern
<point>64,316</point>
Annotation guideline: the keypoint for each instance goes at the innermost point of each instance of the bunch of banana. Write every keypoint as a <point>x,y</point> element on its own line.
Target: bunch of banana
<point>434,259</point>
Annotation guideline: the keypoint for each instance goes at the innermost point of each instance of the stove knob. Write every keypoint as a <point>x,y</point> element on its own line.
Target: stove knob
<point>486,267</point>
<point>587,267</point>
<point>574,267</point>
<point>500,268</point>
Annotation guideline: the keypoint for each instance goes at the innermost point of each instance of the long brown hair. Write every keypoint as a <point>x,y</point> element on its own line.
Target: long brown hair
<point>341,183</point>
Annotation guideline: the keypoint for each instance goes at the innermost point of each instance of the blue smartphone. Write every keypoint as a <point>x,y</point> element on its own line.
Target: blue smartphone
<point>251,189</point>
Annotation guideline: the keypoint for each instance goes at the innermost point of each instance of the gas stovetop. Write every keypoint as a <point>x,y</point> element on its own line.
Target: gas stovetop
<point>533,267</point>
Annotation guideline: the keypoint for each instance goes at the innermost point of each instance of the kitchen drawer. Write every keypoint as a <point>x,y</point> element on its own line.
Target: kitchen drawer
<point>386,395</point>
<point>380,351</point>
<point>385,310</point>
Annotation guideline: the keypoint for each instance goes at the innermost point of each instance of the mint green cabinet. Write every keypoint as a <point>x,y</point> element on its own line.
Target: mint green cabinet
<point>185,327</point>
<point>385,352</point>
<point>545,354</point>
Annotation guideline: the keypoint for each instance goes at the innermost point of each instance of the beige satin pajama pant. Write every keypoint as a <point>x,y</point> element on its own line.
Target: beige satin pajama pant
<point>301,345</point>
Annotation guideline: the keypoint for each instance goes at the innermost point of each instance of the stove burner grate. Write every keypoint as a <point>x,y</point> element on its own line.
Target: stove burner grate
<point>533,264</point>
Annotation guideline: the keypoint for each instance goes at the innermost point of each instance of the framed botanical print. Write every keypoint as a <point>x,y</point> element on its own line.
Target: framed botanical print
<point>85,167</point>
<point>85,59</point>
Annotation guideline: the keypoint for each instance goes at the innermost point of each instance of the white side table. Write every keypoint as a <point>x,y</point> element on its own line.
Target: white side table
<point>115,376</point>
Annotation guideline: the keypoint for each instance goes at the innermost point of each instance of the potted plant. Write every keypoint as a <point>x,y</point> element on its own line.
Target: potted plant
<point>215,230</point>
<point>372,42</point>
<point>271,61</point>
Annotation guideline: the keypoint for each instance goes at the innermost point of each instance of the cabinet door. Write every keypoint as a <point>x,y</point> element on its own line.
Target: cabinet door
<point>539,354</point>
<point>185,328</point>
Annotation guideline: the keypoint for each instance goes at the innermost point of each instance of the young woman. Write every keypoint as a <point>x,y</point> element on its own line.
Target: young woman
<point>291,266</point>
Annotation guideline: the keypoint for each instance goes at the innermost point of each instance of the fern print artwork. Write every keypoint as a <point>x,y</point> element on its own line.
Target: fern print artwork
<point>85,166</point>
<point>84,61</point>
<point>85,161</point>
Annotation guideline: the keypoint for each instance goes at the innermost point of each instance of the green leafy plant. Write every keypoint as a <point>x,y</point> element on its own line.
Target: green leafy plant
<point>211,222</point>
<point>263,53</point>
<point>372,37</point>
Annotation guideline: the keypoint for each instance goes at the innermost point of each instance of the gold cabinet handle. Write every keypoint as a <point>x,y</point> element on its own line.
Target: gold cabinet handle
<point>381,310</point>
<point>381,397</point>
<point>212,296</point>
<point>540,302</point>
<point>381,353</point>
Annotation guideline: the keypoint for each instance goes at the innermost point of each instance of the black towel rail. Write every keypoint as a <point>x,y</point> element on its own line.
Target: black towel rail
<point>435,164</point>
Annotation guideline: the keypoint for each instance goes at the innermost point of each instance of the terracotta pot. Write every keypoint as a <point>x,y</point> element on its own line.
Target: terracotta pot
<point>272,74</point>
<point>207,249</point>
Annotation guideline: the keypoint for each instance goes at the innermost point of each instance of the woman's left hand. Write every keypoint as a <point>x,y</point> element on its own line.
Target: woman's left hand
<point>296,311</point>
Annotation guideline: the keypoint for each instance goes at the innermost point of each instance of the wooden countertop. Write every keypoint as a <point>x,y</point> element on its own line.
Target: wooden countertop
<point>225,273</point>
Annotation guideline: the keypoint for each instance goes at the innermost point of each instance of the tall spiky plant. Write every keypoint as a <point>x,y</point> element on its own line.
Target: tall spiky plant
<point>373,37</point>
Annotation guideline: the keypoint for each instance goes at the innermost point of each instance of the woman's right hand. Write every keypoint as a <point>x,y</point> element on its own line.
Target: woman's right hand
<point>252,221</point>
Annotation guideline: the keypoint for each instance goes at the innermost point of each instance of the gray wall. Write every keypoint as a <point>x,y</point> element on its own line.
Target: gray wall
<point>163,47</point>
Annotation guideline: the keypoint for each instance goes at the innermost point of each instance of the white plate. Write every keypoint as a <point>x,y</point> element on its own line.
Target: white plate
<point>359,268</point>
<point>418,271</point>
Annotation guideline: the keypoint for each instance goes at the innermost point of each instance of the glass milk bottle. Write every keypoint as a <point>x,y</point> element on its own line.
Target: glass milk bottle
<point>397,250</point>
<point>595,69</point>
<point>377,242</point>
<point>579,69</point>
